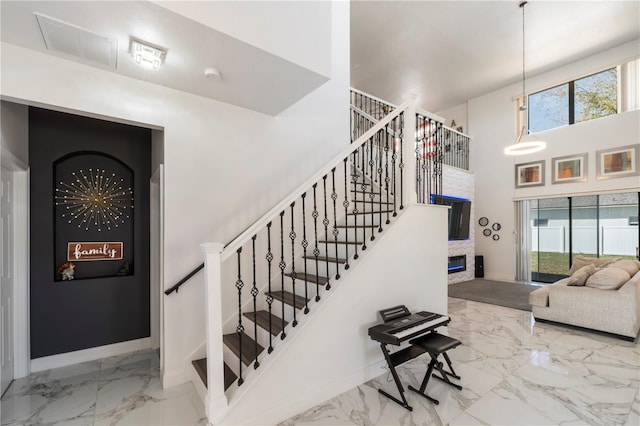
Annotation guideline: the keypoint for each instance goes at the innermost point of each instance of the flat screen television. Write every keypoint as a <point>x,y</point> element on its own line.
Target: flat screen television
<point>459,215</point>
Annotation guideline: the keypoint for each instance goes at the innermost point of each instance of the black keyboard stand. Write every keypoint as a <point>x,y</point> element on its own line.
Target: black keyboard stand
<point>396,379</point>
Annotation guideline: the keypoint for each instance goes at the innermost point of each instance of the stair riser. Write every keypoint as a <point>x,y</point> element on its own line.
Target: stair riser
<point>366,205</point>
<point>365,219</point>
<point>320,270</point>
<point>263,335</point>
<point>355,234</point>
<point>345,251</point>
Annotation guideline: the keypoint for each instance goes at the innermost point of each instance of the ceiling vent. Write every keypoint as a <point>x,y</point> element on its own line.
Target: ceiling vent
<point>68,39</point>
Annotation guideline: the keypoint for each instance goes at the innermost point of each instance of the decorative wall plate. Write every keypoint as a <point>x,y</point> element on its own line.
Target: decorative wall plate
<point>486,232</point>
<point>496,226</point>
<point>496,237</point>
<point>483,221</point>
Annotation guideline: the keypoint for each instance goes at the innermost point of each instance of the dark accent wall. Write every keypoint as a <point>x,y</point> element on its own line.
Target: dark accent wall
<point>86,312</point>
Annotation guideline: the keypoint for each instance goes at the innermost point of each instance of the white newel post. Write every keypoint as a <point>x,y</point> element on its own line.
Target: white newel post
<point>409,150</point>
<point>216,402</point>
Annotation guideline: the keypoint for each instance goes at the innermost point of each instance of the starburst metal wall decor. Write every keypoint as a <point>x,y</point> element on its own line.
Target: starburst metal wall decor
<point>95,199</point>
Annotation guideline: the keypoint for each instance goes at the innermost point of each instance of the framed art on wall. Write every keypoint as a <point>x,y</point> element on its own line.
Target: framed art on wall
<point>618,162</point>
<point>570,168</point>
<point>530,174</point>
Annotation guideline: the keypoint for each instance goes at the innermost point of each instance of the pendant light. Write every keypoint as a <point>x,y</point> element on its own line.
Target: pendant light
<point>521,145</point>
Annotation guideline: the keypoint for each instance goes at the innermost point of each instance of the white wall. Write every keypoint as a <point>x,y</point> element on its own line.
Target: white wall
<point>330,351</point>
<point>224,166</point>
<point>457,113</point>
<point>492,127</point>
<point>270,26</point>
<point>14,131</point>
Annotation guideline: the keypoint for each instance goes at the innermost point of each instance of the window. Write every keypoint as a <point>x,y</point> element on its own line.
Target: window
<point>574,102</point>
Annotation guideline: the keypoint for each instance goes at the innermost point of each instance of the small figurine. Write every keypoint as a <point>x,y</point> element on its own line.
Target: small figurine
<point>66,271</point>
<point>125,269</point>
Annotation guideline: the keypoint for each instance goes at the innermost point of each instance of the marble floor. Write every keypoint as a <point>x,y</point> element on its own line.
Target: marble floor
<point>514,372</point>
<point>120,390</point>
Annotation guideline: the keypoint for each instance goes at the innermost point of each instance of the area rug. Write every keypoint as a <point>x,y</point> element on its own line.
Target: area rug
<point>511,295</point>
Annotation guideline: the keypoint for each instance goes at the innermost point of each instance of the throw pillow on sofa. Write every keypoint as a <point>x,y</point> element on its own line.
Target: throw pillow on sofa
<point>581,261</point>
<point>608,279</point>
<point>579,278</point>
<point>631,266</point>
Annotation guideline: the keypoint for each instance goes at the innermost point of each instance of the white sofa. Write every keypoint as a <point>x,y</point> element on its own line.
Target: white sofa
<point>605,301</point>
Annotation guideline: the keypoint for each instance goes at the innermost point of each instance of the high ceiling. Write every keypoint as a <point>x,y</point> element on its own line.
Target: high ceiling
<point>446,52</point>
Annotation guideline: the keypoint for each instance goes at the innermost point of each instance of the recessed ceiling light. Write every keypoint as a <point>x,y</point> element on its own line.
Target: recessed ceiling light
<point>146,54</point>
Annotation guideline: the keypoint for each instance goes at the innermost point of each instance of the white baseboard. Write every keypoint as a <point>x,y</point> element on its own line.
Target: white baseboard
<point>499,277</point>
<point>92,354</point>
<point>175,378</point>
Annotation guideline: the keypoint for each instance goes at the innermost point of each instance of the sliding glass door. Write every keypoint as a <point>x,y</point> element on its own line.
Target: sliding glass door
<point>595,225</point>
<point>549,239</point>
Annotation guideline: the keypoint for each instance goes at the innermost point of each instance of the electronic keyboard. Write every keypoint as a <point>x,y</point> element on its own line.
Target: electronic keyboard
<point>401,325</point>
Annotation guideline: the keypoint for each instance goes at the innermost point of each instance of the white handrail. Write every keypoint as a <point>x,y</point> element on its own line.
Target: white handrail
<point>261,223</point>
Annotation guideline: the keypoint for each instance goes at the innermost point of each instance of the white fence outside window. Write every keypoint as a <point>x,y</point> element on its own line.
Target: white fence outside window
<point>614,239</point>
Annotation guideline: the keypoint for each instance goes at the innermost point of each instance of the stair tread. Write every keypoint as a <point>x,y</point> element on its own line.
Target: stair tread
<point>262,319</point>
<point>341,242</point>
<point>319,279</point>
<point>376,212</point>
<point>200,366</point>
<point>373,202</point>
<point>287,297</point>
<point>327,259</point>
<point>229,376</point>
<point>248,346</point>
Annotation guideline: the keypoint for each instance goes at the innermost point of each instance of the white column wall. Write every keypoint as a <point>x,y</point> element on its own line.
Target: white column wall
<point>460,183</point>
<point>224,165</point>
<point>492,127</point>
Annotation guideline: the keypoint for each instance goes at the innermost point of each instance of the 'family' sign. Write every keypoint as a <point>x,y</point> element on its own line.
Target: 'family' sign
<point>78,251</point>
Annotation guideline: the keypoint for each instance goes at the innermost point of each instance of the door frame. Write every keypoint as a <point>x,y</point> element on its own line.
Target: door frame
<point>21,305</point>
<point>21,347</point>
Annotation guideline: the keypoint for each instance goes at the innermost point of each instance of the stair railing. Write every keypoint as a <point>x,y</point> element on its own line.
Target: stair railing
<point>307,240</point>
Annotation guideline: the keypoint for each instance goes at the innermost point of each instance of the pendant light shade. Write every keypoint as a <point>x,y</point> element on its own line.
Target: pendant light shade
<point>521,147</point>
<point>525,143</point>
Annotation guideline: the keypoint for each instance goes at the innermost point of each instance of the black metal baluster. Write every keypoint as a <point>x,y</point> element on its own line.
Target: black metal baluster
<point>240,327</point>
<point>394,156</point>
<point>354,179</point>
<point>371,193</point>
<point>334,197</point>
<point>326,222</point>
<point>316,250</point>
<point>363,187</point>
<point>282,266</point>
<point>292,237</point>
<point>254,293</point>
<point>386,171</point>
<point>269,258</point>
<point>401,165</point>
<point>379,177</point>
<point>345,203</point>
<point>305,244</point>
<point>420,144</point>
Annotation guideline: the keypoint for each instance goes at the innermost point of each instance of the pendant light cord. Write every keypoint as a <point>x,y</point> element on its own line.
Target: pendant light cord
<point>524,92</point>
